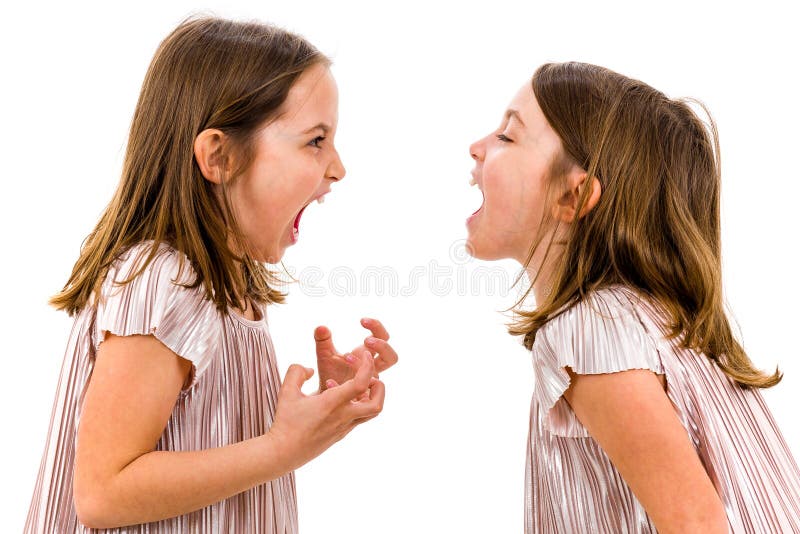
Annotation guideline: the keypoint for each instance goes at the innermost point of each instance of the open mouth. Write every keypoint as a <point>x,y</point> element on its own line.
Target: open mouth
<point>474,182</point>
<point>297,219</point>
<point>296,227</point>
<point>483,201</point>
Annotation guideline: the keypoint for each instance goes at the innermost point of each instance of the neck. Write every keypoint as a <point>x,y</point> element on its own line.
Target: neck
<point>541,270</point>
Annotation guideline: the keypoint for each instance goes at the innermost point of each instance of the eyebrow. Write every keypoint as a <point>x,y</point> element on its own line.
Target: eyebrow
<point>321,126</point>
<point>514,113</point>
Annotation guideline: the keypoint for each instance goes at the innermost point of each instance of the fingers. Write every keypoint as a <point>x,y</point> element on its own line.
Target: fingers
<point>356,386</point>
<point>376,327</point>
<point>295,377</point>
<point>365,347</point>
<point>378,346</point>
<point>364,372</point>
<point>331,383</point>
<point>372,406</point>
<point>387,356</point>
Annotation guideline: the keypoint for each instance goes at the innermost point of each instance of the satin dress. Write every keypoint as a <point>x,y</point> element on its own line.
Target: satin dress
<point>573,487</point>
<point>230,396</point>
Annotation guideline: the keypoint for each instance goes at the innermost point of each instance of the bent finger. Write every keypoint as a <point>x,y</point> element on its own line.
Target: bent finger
<point>295,377</point>
<point>356,386</point>
<point>387,356</point>
<point>376,327</point>
<point>374,405</point>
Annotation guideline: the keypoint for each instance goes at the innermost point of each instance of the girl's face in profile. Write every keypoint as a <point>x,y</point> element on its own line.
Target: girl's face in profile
<point>294,163</point>
<point>512,165</point>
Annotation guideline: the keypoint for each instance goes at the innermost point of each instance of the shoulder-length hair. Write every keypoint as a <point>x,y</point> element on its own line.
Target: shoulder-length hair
<point>207,73</point>
<point>656,227</point>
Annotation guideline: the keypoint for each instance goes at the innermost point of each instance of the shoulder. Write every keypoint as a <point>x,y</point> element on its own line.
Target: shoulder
<point>609,306</point>
<point>604,332</point>
<point>600,335</point>
<point>148,259</point>
<point>150,289</point>
<point>151,275</point>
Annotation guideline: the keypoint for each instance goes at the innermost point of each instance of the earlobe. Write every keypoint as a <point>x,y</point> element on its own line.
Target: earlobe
<point>208,153</point>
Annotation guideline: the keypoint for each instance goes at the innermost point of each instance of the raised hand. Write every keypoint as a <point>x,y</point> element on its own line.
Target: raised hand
<point>339,367</point>
<point>306,425</point>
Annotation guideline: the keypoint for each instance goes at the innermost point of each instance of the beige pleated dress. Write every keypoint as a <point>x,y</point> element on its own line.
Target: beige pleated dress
<point>572,486</point>
<point>231,396</point>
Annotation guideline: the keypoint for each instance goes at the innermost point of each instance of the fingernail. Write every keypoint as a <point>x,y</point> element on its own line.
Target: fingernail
<point>330,383</point>
<point>371,341</point>
<point>350,358</point>
<point>365,319</point>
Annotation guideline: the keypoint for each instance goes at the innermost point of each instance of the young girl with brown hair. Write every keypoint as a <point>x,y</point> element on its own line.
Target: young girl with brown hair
<point>170,415</point>
<point>646,411</point>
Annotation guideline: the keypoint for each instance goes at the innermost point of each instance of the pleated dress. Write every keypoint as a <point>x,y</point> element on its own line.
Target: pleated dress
<point>230,395</point>
<point>572,486</point>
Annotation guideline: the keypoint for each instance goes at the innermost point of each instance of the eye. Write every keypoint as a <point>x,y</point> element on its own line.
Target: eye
<point>504,139</point>
<point>316,141</point>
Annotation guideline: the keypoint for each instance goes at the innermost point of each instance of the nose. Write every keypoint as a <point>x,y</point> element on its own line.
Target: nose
<point>336,170</point>
<point>476,150</point>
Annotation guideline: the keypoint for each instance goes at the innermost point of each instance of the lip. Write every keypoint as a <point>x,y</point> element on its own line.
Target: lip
<point>296,225</point>
<point>297,217</point>
<point>476,182</point>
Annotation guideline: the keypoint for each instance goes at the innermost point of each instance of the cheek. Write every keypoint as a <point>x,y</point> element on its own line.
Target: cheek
<point>514,192</point>
<point>532,199</point>
<point>256,200</point>
<point>258,192</point>
<point>502,191</point>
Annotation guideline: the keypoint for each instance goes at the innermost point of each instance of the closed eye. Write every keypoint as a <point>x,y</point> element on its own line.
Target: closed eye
<point>504,139</point>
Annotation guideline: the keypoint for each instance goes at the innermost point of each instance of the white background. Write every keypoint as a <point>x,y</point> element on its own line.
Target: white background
<point>418,83</point>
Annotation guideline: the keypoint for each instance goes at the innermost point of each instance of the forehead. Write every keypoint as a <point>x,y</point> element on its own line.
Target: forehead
<point>532,116</point>
<point>313,97</point>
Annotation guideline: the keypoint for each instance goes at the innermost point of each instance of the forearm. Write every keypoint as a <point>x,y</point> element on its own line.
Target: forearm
<point>164,484</point>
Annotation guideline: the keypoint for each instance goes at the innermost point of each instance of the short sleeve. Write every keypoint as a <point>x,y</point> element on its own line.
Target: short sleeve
<point>155,302</point>
<point>601,334</point>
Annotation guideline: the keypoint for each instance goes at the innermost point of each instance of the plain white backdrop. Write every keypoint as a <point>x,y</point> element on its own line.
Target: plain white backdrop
<point>418,81</point>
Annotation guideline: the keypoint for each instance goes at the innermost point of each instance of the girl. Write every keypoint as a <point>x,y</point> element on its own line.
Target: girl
<point>646,412</point>
<point>169,414</point>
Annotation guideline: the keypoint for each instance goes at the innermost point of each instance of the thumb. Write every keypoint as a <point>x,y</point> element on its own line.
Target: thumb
<point>295,377</point>
<point>324,341</point>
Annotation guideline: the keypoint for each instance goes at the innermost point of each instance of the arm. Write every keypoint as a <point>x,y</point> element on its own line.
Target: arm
<point>119,479</point>
<point>633,420</point>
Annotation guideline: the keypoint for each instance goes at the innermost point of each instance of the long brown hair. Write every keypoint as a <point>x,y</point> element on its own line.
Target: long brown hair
<point>208,73</point>
<point>656,227</point>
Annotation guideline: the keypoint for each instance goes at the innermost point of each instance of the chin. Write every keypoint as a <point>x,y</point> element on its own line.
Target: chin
<point>482,247</point>
<point>275,258</point>
<point>270,256</point>
<point>480,250</point>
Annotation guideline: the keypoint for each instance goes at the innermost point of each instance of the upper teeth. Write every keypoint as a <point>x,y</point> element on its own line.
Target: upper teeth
<point>321,199</point>
<point>472,181</point>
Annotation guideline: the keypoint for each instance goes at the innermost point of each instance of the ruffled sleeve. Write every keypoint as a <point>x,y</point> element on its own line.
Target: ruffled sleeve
<point>601,334</point>
<point>155,303</point>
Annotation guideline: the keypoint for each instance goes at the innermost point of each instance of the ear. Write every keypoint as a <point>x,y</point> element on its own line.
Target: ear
<point>208,152</point>
<point>567,205</point>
